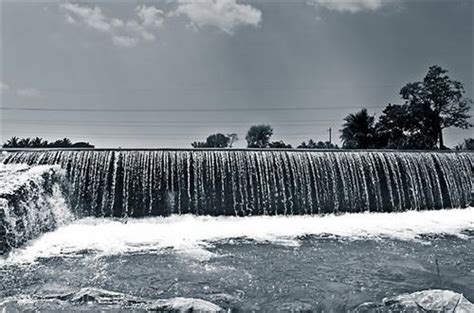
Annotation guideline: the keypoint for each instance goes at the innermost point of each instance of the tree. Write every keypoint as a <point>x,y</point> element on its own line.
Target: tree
<point>468,144</point>
<point>12,143</point>
<point>81,144</point>
<point>61,143</point>
<point>320,145</point>
<point>38,142</point>
<point>25,143</point>
<point>444,97</point>
<point>213,141</point>
<point>217,141</point>
<point>233,138</point>
<point>358,131</point>
<point>198,144</point>
<point>279,145</point>
<point>259,136</point>
<point>406,127</point>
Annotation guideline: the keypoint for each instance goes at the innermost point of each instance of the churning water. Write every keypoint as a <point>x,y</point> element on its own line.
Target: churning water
<point>246,263</point>
<point>194,235</point>
<point>239,229</point>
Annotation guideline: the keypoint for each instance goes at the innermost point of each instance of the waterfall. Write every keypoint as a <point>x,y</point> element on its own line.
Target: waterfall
<point>257,182</point>
<point>31,203</point>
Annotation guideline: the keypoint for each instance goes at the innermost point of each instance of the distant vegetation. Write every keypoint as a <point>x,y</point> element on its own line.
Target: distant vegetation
<point>428,107</point>
<point>259,136</point>
<point>432,105</point>
<point>319,145</point>
<point>468,144</point>
<point>279,145</point>
<point>37,142</point>
<point>217,141</point>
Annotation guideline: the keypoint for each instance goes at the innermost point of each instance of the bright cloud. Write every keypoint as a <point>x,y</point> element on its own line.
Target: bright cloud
<point>351,6</point>
<point>150,16</point>
<point>92,17</point>
<point>226,15</point>
<point>28,93</point>
<point>123,33</point>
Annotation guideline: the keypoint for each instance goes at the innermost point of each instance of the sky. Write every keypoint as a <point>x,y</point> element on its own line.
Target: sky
<point>167,73</point>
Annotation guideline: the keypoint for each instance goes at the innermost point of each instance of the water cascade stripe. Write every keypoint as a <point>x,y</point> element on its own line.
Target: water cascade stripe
<point>242,183</point>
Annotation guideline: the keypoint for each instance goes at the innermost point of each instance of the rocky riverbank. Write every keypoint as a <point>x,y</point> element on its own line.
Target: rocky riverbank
<point>99,298</point>
<point>423,301</point>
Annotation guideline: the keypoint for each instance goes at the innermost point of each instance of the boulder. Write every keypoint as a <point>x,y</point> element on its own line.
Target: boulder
<point>435,300</point>
<point>183,305</point>
<point>91,295</point>
<point>96,295</point>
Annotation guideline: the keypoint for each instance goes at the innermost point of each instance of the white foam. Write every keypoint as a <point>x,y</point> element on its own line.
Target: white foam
<point>192,234</point>
<point>13,176</point>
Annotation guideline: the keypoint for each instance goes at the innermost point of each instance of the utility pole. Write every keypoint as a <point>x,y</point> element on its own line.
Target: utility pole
<point>330,134</point>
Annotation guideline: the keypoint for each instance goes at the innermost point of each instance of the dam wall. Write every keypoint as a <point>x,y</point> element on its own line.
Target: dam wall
<point>137,183</point>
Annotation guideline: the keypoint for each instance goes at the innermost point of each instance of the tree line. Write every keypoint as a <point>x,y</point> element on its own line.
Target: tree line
<point>258,136</point>
<point>429,107</point>
<point>38,142</point>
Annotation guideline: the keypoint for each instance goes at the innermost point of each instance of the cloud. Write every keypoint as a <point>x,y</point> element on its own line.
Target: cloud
<point>92,17</point>
<point>123,33</point>
<point>28,93</point>
<point>3,87</point>
<point>226,15</point>
<point>350,6</point>
<point>150,16</point>
<point>124,41</point>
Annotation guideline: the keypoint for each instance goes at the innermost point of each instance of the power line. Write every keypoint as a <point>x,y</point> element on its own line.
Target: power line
<point>144,134</point>
<point>156,125</point>
<point>172,121</point>
<point>208,89</point>
<point>181,109</point>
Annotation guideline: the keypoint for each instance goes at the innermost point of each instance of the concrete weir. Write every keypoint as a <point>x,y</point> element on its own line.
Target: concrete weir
<point>135,183</point>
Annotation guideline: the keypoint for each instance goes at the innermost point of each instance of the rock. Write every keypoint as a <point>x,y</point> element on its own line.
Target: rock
<point>435,300</point>
<point>432,300</point>
<point>183,305</point>
<point>100,296</point>
<point>105,297</point>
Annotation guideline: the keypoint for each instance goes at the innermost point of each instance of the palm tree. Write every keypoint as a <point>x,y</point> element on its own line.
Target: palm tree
<point>25,142</point>
<point>62,143</point>
<point>12,142</point>
<point>38,142</point>
<point>358,131</point>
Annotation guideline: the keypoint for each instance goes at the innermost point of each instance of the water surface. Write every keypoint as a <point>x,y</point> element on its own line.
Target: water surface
<point>260,263</point>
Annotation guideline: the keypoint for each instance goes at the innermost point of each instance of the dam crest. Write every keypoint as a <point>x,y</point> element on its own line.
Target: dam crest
<point>138,183</point>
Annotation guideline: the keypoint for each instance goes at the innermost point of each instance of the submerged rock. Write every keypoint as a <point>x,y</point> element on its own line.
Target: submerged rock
<point>91,295</point>
<point>435,300</point>
<point>96,295</point>
<point>183,305</point>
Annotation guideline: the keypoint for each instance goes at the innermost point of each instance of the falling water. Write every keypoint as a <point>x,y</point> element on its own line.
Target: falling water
<point>236,182</point>
<point>31,203</point>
